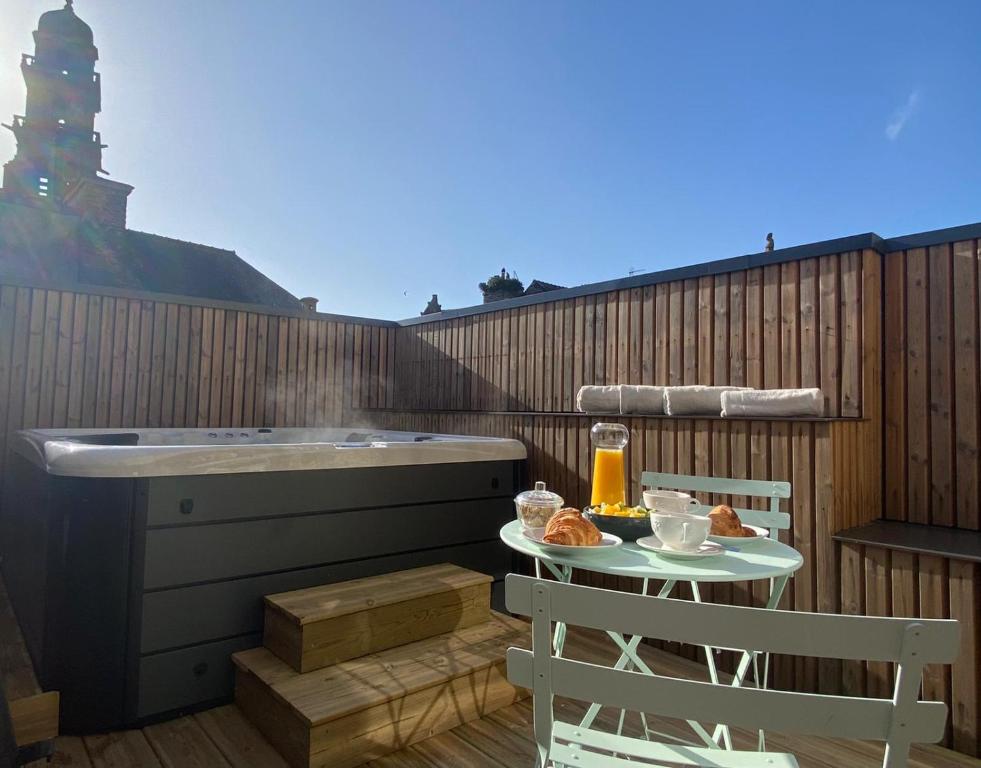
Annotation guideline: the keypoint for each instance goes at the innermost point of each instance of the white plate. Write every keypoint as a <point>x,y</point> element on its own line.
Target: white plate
<point>608,542</point>
<point>761,533</point>
<point>706,549</point>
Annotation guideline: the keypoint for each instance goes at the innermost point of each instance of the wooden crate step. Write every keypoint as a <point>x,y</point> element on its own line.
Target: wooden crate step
<point>358,710</point>
<point>316,627</point>
<point>33,712</point>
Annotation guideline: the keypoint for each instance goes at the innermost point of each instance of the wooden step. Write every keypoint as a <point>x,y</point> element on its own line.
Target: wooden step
<point>316,627</point>
<point>358,710</point>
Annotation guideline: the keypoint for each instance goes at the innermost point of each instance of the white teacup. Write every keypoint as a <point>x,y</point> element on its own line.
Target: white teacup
<point>679,530</point>
<point>670,501</point>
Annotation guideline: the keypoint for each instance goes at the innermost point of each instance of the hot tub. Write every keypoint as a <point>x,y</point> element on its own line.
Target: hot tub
<point>136,560</point>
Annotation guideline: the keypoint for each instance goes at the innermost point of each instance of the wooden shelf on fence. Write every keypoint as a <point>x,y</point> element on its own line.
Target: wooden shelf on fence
<point>623,416</point>
<point>955,543</point>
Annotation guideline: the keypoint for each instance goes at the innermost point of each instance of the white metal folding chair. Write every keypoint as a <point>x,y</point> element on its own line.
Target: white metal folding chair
<point>774,490</point>
<point>899,722</point>
<point>771,518</point>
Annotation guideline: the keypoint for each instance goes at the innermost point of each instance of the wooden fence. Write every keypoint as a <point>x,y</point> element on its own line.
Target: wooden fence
<point>785,325</point>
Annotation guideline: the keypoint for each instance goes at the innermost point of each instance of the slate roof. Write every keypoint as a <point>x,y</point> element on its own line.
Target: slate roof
<point>39,246</point>
<point>540,286</point>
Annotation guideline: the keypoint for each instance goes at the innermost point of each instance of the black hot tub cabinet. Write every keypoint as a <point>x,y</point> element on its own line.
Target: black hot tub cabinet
<point>136,560</point>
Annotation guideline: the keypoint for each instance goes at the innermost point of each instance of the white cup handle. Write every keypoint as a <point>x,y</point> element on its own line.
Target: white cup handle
<point>693,502</point>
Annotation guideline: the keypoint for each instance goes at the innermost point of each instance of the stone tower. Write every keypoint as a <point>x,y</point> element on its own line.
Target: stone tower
<point>59,152</point>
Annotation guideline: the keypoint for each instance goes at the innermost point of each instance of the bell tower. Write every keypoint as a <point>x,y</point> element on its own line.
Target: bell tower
<point>59,152</point>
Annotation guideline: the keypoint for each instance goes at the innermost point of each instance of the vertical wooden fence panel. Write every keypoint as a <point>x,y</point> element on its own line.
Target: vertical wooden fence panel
<point>932,391</point>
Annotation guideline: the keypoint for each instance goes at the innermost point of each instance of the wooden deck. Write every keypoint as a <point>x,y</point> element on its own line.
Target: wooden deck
<point>223,738</point>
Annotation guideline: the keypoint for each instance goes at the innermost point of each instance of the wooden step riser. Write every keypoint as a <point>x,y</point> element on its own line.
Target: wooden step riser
<point>320,644</point>
<point>371,733</point>
<point>287,732</point>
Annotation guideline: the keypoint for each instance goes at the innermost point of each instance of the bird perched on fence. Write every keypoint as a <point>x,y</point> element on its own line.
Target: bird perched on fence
<point>769,241</point>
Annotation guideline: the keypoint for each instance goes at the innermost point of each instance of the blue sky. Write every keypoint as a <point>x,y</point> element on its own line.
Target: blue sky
<point>372,153</point>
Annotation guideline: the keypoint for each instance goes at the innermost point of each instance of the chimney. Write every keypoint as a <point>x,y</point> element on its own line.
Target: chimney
<point>309,303</point>
<point>99,200</point>
<point>432,307</point>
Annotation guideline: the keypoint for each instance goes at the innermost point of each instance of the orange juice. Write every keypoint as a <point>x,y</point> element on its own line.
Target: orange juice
<point>608,477</point>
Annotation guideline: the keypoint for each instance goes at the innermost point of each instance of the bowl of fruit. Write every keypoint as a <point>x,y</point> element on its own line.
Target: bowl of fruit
<point>629,523</point>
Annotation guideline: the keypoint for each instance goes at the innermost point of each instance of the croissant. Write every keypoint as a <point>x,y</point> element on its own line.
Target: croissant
<point>725,521</point>
<point>570,528</point>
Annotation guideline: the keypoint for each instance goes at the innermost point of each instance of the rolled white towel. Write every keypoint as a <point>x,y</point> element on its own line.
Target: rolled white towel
<point>594,399</point>
<point>773,402</point>
<point>695,400</point>
<point>641,398</point>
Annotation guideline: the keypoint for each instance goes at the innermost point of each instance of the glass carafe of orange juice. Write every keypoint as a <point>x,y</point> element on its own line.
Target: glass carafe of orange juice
<point>608,441</point>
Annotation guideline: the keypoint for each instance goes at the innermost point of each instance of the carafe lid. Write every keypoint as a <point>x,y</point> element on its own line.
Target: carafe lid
<point>606,435</point>
<point>540,497</point>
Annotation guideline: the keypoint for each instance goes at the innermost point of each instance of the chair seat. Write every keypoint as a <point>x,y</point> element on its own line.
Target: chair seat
<point>574,754</point>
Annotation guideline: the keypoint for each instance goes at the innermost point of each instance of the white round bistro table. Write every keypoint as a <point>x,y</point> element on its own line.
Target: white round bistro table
<point>761,560</point>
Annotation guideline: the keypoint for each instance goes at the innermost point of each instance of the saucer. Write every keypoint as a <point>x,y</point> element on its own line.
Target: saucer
<point>706,549</point>
<point>608,542</point>
<point>759,534</point>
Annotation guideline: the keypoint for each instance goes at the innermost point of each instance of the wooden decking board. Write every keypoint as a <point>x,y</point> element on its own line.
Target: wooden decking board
<point>69,751</point>
<point>505,736</point>
<point>182,743</point>
<point>123,749</point>
<point>237,739</point>
<point>405,758</point>
<point>451,749</point>
<point>496,736</point>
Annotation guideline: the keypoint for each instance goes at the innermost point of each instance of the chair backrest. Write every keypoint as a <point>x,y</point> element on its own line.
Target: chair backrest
<point>773,490</point>
<point>899,722</point>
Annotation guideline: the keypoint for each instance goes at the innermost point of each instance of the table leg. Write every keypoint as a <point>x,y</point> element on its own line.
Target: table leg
<point>628,660</point>
<point>748,657</point>
<point>713,672</point>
